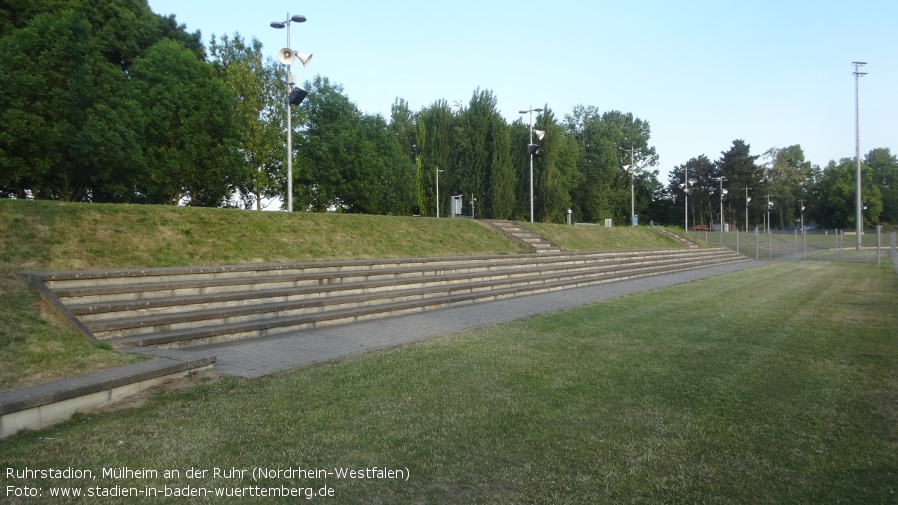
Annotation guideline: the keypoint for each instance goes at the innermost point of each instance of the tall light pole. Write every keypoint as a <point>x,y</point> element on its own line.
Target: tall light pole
<point>286,57</point>
<point>685,185</point>
<point>857,120</point>
<point>531,110</point>
<point>747,199</point>
<point>722,192</point>
<point>632,168</point>
<point>769,205</point>
<point>686,198</point>
<point>438,190</point>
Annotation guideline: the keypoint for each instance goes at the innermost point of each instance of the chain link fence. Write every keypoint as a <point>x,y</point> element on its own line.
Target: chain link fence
<point>820,245</point>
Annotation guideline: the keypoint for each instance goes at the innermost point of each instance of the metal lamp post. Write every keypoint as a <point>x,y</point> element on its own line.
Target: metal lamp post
<point>747,199</point>
<point>297,18</point>
<point>531,110</point>
<point>722,193</point>
<point>857,119</point>
<point>685,188</point>
<point>438,190</point>
<point>632,168</point>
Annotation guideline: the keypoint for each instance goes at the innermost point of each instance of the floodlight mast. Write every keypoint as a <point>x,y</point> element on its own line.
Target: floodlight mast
<point>531,110</point>
<point>859,216</point>
<point>296,18</point>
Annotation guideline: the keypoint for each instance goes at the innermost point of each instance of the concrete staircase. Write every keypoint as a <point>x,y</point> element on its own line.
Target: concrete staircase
<point>177,307</point>
<point>683,240</point>
<point>520,234</point>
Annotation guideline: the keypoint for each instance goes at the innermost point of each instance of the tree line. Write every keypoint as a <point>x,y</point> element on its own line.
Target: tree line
<point>782,185</point>
<point>110,102</point>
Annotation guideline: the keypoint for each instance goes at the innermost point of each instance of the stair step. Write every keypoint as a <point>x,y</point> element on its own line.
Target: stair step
<point>189,306</point>
<point>277,325</point>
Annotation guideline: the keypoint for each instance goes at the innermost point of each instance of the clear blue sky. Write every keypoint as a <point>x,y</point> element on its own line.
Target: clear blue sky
<point>702,73</point>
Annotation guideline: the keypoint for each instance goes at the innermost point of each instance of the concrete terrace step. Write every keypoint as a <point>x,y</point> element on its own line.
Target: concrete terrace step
<point>183,306</point>
<point>146,299</point>
<point>99,287</point>
<point>283,324</point>
<point>234,295</point>
<point>519,233</point>
<point>193,316</point>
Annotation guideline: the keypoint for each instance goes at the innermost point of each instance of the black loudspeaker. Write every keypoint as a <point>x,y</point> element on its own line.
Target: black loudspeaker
<point>297,96</point>
<point>533,149</point>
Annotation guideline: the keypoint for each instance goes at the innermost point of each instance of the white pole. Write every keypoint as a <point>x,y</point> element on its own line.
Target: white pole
<point>686,195</point>
<point>859,217</point>
<point>289,133</point>
<point>531,163</point>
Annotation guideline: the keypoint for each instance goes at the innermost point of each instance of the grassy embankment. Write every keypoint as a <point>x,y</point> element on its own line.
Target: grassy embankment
<point>774,385</point>
<point>588,238</point>
<point>45,236</point>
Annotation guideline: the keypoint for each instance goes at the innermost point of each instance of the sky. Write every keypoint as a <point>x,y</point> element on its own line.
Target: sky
<point>773,73</point>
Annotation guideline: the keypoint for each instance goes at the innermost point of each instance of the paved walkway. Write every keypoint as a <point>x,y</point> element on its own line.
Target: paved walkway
<point>263,356</point>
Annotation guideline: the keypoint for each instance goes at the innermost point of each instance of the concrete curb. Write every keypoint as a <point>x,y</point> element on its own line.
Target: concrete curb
<point>42,405</point>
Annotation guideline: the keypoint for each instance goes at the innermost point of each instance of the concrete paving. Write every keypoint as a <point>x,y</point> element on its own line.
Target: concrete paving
<point>262,356</point>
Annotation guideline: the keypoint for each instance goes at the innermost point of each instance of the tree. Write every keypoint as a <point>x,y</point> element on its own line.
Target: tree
<point>884,165</point>
<point>836,200</point>
<point>592,199</point>
<point>403,124</point>
<point>259,110</point>
<point>701,171</point>
<point>789,180</point>
<point>739,167</point>
<point>352,162</point>
<point>66,122</point>
<point>190,140</point>
<point>556,169</point>
<point>436,124</point>
<point>605,143</point>
<point>482,165</point>
<point>70,124</point>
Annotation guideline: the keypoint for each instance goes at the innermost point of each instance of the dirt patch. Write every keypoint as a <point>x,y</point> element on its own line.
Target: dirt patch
<point>141,398</point>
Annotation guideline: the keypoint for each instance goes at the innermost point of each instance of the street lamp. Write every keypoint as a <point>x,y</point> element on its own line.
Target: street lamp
<point>769,206</point>
<point>722,193</point>
<point>685,187</point>
<point>857,119</point>
<point>438,190</point>
<point>294,96</point>
<point>747,199</point>
<point>531,151</point>
<point>631,169</point>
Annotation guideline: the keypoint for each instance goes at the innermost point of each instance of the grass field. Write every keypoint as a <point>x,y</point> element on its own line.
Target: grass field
<point>775,385</point>
<point>45,236</point>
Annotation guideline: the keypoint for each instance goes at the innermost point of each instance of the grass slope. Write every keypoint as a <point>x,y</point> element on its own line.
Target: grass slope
<point>47,236</point>
<point>775,385</point>
<point>595,238</point>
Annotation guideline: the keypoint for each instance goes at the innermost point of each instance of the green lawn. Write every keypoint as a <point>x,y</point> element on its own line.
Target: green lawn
<point>775,385</point>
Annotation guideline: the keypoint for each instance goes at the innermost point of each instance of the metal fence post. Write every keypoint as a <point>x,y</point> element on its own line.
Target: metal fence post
<point>795,243</point>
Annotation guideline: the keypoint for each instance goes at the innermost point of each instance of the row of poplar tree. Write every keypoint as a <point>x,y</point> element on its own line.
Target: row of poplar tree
<point>110,102</point>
